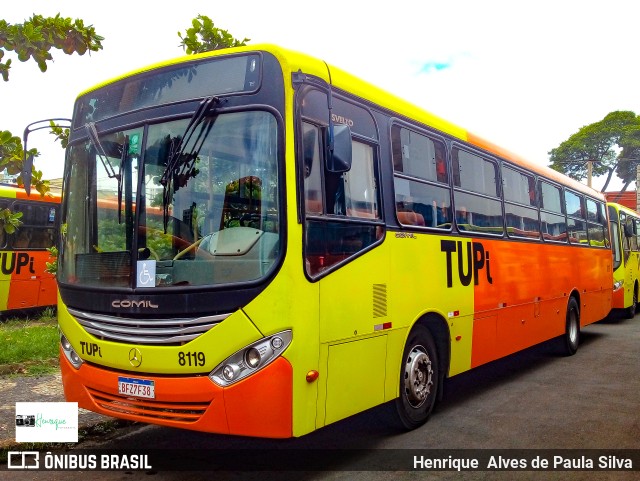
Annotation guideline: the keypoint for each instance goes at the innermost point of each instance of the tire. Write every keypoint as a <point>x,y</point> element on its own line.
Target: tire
<point>419,375</point>
<point>571,337</point>
<point>630,312</point>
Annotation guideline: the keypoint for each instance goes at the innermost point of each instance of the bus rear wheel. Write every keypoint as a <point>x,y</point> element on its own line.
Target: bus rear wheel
<point>571,337</point>
<point>419,376</point>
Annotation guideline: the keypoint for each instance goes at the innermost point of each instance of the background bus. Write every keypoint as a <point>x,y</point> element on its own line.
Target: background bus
<point>294,246</point>
<point>24,284</point>
<point>625,228</point>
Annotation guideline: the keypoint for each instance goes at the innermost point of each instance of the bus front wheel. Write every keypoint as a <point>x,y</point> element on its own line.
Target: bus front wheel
<point>418,379</point>
<point>571,337</point>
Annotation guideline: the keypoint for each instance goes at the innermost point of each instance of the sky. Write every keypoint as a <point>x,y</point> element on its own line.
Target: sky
<point>524,74</point>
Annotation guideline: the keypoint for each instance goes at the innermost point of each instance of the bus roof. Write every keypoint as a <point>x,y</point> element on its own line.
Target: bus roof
<point>623,208</point>
<point>292,61</point>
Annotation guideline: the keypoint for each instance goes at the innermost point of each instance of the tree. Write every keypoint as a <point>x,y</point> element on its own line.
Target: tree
<point>203,36</point>
<point>34,39</point>
<point>11,155</point>
<point>611,145</point>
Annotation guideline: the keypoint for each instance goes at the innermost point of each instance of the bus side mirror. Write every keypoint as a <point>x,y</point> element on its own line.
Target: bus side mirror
<point>27,166</point>
<point>27,160</point>
<point>339,158</point>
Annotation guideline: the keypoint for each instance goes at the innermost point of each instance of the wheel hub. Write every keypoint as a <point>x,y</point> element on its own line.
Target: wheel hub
<point>418,376</point>
<point>573,329</point>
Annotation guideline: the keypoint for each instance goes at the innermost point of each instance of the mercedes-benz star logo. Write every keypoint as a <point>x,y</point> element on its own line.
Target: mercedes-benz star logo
<point>135,357</point>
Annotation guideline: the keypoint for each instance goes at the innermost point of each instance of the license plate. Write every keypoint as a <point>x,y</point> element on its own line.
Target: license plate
<point>128,386</point>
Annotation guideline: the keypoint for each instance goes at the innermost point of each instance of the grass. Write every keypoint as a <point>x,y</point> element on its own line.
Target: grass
<point>29,345</point>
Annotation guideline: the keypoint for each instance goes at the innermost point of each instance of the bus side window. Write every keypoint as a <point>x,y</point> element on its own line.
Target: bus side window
<point>361,196</point>
<point>42,239</point>
<point>22,238</point>
<point>421,179</point>
<point>554,222</point>
<point>625,237</point>
<point>633,228</point>
<point>329,195</point>
<point>576,225</point>
<point>520,204</point>
<point>477,196</point>
<point>597,224</point>
<point>312,166</point>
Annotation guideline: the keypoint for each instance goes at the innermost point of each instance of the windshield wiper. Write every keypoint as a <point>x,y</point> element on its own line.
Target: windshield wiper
<point>106,163</point>
<point>120,180</point>
<point>93,137</point>
<point>180,165</point>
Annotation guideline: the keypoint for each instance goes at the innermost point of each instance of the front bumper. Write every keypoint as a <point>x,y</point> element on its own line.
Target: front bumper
<point>260,405</point>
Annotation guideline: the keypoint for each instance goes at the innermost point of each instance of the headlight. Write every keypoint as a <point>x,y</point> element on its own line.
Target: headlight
<point>253,357</point>
<point>617,285</point>
<point>230,372</point>
<point>250,359</point>
<point>69,352</point>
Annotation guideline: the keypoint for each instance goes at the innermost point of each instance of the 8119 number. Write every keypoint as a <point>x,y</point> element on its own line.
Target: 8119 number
<point>191,358</point>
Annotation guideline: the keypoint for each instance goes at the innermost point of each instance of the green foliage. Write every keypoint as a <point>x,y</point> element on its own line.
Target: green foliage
<point>34,39</point>
<point>607,143</point>
<point>11,152</point>
<point>203,36</point>
<point>52,267</point>
<point>60,133</point>
<point>11,159</point>
<point>10,221</point>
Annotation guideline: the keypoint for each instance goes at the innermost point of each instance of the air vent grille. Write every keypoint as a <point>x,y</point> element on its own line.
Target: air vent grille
<point>379,300</point>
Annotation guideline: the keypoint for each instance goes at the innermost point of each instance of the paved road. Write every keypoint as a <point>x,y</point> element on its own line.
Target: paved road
<point>33,389</point>
<point>532,400</point>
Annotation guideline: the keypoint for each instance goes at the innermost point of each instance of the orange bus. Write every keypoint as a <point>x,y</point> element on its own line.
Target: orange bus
<point>293,245</point>
<point>24,283</point>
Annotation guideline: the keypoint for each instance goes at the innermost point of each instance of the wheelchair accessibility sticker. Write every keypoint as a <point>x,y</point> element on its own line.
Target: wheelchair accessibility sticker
<point>146,274</point>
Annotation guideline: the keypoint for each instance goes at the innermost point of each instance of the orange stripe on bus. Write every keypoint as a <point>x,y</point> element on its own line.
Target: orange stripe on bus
<point>513,316</point>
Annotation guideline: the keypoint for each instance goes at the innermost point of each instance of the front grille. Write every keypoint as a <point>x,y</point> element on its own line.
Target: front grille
<point>166,332</point>
<point>161,411</point>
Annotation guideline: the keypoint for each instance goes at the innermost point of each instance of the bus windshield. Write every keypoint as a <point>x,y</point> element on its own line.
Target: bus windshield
<point>141,212</point>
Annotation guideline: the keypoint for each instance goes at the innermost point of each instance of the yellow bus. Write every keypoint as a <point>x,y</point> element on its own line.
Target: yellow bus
<point>258,243</point>
<point>625,228</point>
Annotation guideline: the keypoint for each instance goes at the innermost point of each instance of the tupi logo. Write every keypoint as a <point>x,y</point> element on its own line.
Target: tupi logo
<point>472,258</point>
<point>90,348</point>
<point>12,262</point>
